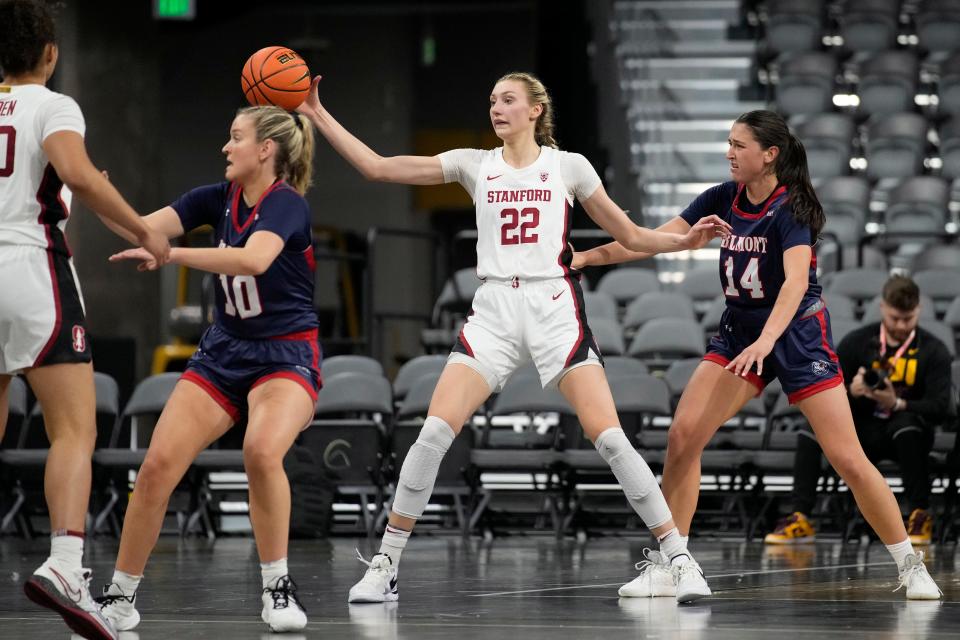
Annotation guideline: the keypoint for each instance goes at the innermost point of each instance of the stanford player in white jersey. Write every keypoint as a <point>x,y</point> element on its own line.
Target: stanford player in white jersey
<point>529,308</point>
<point>42,329</point>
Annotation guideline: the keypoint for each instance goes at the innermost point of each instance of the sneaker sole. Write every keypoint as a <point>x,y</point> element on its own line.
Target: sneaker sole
<point>692,597</point>
<point>44,593</point>
<point>390,597</point>
<point>279,629</point>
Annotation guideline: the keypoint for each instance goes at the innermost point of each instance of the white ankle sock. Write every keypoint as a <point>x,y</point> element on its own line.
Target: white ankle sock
<point>900,551</point>
<point>393,543</point>
<point>273,571</point>
<point>128,583</point>
<point>674,547</point>
<point>67,548</point>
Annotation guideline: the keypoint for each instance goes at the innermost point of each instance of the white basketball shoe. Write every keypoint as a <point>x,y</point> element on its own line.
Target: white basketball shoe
<point>378,584</point>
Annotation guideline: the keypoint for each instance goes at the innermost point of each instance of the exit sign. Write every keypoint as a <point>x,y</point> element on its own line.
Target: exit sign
<point>174,9</point>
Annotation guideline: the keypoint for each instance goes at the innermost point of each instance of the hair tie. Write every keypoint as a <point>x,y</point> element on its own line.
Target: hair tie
<point>296,120</point>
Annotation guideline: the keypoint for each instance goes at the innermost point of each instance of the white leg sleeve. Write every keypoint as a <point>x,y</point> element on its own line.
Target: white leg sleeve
<point>420,467</point>
<point>637,481</point>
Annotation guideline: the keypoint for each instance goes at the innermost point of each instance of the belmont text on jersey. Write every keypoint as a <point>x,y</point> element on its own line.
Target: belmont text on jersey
<point>757,244</point>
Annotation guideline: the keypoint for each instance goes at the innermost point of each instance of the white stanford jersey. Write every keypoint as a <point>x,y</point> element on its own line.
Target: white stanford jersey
<point>522,214</point>
<point>33,203</point>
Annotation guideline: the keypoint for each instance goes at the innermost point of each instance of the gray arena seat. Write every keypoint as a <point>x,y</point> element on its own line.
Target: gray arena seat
<point>846,203</point>
<point>413,370</point>
<point>353,415</point>
<point>662,340</point>
<point>451,307</point>
<point>952,317</point>
<point>827,255</point>
<point>919,203</point>
<point>806,83</point>
<point>950,146</point>
<point>943,285</point>
<point>948,90</point>
<point>128,443</point>
<point>895,145</point>
<point>794,26</point>
<point>840,306</point>
<point>888,82</point>
<point>657,304</point>
<point>622,366</point>
<point>840,327</point>
<point>624,285</point>
<point>937,257</point>
<point>710,322</point>
<point>599,304</point>
<point>870,25</point>
<point>608,334</point>
<point>828,141</point>
<point>858,284</point>
<point>350,363</point>
<point>938,25</point>
<point>700,285</point>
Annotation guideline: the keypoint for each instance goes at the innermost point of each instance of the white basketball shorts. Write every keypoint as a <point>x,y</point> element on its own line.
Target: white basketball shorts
<point>515,322</point>
<point>41,310</point>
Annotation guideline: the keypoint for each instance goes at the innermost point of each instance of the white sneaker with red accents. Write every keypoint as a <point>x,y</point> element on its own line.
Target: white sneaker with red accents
<point>67,591</point>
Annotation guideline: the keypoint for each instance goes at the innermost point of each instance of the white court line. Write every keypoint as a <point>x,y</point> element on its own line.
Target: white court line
<point>711,577</point>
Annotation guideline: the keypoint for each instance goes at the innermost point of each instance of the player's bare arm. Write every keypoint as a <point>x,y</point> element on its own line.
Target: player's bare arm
<point>250,260</point>
<point>639,240</point>
<point>68,155</point>
<point>420,170</point>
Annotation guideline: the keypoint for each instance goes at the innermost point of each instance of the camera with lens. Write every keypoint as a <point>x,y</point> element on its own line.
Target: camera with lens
<point>875,379</point>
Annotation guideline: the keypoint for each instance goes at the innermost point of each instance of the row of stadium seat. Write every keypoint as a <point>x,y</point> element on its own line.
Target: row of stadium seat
<point>863,25</point>
<point>887,82</point>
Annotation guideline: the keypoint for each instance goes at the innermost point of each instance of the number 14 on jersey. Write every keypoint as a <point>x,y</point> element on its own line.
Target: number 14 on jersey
<point>749,281</point>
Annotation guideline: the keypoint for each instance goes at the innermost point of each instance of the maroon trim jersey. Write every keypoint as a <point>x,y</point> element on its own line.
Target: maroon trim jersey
<point>751,259</point>
<point>280,300</point>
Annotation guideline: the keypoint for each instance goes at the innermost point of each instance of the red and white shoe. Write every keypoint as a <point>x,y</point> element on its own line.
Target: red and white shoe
<point>67,591</point>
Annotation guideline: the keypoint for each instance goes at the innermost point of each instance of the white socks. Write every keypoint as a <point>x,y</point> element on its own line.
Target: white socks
<point>900,551</point>
<point>273,571</point>
<point>674,547</point>
<point>393,543</point>
<point>128,584</point>
<point>67,548</point>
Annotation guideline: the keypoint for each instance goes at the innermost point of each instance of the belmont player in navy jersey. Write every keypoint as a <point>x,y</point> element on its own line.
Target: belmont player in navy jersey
<point>42,317</point>
<point>529,307</point>
<point>261,356</point>
<point>775,321</point>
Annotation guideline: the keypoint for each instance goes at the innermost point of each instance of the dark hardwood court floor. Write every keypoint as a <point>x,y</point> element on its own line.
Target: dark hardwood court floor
<point>524,587</point>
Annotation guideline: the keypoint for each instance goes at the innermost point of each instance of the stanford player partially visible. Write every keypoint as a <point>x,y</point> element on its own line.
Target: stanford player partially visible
<point>42,326</point>
<point>529,308</point>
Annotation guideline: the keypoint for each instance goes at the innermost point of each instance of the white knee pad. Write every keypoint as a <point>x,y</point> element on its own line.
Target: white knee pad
<point>420,467</point>
<point>637,481</point>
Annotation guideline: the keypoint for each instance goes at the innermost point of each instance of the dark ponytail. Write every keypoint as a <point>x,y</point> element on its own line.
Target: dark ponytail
<point>770,130</point>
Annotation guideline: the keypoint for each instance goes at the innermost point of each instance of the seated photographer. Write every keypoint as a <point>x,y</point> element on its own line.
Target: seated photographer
<point>898,379</point>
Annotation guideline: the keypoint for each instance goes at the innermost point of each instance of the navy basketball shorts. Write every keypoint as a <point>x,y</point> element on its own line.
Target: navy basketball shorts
<point>228,367</point>
<point>802,359</point>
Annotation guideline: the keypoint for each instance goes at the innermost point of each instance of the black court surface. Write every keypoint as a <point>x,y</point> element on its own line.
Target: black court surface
<point>518,587</point>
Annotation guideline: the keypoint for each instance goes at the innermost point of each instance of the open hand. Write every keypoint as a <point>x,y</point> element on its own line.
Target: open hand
<point>752,355</point>
<point>312,103</point>
<point>705,230</point>
<point>147,261</point>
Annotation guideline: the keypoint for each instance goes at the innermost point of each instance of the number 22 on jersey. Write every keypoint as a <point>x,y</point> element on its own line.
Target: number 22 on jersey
<point>527,219</point>
<point>749,281</point>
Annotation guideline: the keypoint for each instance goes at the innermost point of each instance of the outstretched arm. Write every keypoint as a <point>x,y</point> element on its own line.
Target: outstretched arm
<point>68,155</point>
<point>400,169</point>
<point>252,259</point>
<point>640,242</point>
<point>615,253</point>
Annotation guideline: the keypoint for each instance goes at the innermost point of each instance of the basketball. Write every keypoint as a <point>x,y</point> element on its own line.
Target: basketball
<point>275,75</point>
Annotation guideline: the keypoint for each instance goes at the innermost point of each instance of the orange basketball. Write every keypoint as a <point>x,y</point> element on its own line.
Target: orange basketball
<point>277,76</point>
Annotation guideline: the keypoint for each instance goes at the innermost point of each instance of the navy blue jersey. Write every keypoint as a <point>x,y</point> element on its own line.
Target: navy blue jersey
<point>751,259</point>
<point>280,300</point>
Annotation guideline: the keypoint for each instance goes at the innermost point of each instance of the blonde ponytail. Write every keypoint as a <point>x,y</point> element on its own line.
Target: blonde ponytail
<point>293,135</point>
